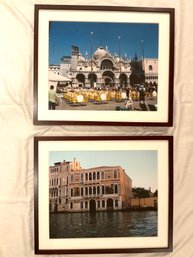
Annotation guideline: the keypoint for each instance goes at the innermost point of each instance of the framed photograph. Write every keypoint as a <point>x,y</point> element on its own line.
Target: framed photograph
<point>103,194</point>
<point>103,65</point>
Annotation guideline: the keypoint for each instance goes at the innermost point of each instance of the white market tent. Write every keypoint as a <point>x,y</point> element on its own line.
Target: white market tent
<point>58,78</point>
<point>55,78</point>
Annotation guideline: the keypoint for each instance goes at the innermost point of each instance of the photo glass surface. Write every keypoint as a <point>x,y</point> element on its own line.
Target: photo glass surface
<point>103,194</point>
<point>103,66</point>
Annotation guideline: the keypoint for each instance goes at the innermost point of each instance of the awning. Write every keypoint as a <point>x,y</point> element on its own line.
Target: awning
<point>59,78</point>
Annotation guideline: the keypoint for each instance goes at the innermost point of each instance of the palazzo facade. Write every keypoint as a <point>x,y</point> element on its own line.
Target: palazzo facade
<point>106,70</point>
<point>74,189</point>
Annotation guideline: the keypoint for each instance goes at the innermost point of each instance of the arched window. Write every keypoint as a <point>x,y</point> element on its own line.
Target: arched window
<point>81,205</point>
<point>116,203</point>
<point>86,176</point>
<point>103,203</point>
<point>98,204</point>
<point>98,175</point>
<point>115,173</point>
<point>86,190</point>
<point>90,190</point>
<point>86,205</point>
<point>103,190</point>
<point>94,190</point>
<point>102,175</point>
<point>150,67</point>
<point>71,205</point>
<point>106,64</point>
<point>94,176</point>
<point>90,176</point>
<point>98,190</point>
<point>116,189</point>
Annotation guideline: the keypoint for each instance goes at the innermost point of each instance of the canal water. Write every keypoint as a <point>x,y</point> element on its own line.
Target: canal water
<point>103,224</point>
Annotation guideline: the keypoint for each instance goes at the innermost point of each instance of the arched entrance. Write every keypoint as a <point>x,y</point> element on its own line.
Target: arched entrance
<point>108,78</point>
<point>109,204</point>
<point>92,78</point>
<point>92,206</point>
<point>81,79</point>
<point>123,80</point>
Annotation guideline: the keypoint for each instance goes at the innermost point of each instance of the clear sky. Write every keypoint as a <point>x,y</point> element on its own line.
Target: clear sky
<point>141,166</point>
<point>125,37</point>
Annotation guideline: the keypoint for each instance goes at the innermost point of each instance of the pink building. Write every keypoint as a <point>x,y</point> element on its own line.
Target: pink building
<point>74,189</point>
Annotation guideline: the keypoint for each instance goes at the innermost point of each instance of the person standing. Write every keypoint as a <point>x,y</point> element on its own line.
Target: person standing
<point>52,96</point>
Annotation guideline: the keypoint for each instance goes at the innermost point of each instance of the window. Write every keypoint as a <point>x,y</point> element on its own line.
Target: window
<point>103,190</point>
<point>90,190</point>
<point>116,203</point>
<point>81,205</point>
<point>94,176</point>
<point>115,173</point>
<point>86,205</point>
<point>81,191</point>
<point>72,178</point>
<point>109,190</point>
<point>102,175</point>
<point>90,176</point>
<point>150,67</point>
<point>116,189</point>
<point>71,205</point>
<point>82,177</point>
<point>98,190</point>
<point>98,175</point>
<point>103,204</point>
<point>98,204</point>
<point>94,190</point>
<point>76,191</point>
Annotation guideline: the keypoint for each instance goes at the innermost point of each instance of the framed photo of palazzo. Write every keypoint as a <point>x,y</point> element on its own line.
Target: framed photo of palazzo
<point>103,65</point>
<point>103,194</point>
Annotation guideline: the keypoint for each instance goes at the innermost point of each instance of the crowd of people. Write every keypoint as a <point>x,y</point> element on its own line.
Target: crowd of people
<point>106,94</point>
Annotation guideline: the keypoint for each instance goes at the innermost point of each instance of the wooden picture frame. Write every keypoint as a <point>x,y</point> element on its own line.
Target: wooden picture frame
<point>88,194</point>
<point>95,85</point>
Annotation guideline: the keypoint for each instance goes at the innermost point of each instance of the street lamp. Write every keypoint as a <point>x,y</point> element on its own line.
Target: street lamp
<point>119,41</point>
<point>119,38</point>
<point>142,48</point>
<point>91,50</point>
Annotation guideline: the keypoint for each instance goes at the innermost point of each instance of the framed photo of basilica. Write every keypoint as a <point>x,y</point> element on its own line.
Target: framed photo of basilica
<point>103,194</point>
<point>103,65</point>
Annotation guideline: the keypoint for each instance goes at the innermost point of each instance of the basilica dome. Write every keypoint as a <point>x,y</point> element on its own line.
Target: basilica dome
<point>99,53</point>
<point>81,58</point>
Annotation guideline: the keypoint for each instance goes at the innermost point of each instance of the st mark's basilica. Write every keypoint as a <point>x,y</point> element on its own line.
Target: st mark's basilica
<point>105,70</point>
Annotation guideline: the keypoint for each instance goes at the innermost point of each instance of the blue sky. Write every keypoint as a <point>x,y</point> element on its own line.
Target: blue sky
<point>141,166</point>
<point>65,34</point>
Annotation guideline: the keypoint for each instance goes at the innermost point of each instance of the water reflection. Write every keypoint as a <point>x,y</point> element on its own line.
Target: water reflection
<point>103,224</point>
